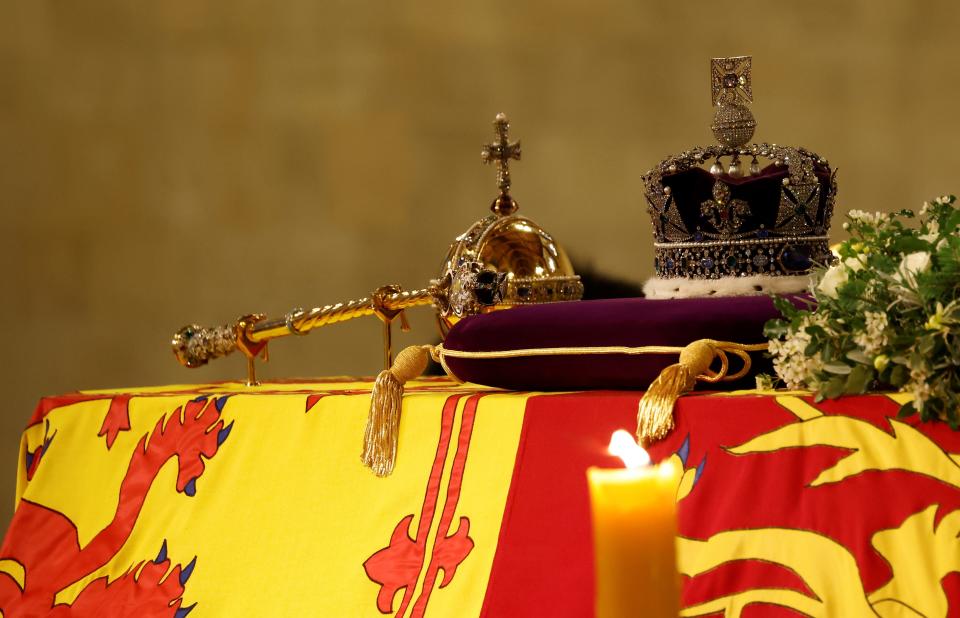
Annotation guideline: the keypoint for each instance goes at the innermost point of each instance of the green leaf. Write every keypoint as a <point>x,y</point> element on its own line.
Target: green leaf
<point>834,387</point>
<point>899,376</point>
<point>906,410</point>
<point>837,368</point>
<point>785,307</point>
<point>858,356</point>
<point>774,329</point>
<point>858,380</point>
<point>909,244</point>
<point>951,224</point>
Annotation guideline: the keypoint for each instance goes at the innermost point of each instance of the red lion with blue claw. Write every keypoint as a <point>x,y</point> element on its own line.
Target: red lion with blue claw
<point>37,566</point>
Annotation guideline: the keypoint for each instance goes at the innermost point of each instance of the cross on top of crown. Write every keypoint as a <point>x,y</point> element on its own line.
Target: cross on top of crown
<point>730,80</point>
<point>501,151</point>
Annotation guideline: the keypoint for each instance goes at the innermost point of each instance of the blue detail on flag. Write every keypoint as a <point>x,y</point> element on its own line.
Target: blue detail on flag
<point>183,611</point>
<point>30,456</point>
<point>191,487</point>
<point>200,398</point>
<point>163,553</point>
<point>684,451</point>
<point>187,571</point>
<point>220,402</point>
<point>703,463</point>
<point>223,433</point>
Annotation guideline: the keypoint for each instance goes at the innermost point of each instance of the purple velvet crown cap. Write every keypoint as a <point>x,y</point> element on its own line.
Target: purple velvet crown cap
<point>632,322</point>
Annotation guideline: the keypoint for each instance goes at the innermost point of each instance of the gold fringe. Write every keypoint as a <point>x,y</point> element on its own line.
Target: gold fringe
<point>386,402</point>
<point>655,412</point>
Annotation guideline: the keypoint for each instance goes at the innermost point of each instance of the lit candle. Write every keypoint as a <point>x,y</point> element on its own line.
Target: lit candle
<point>634,534</point>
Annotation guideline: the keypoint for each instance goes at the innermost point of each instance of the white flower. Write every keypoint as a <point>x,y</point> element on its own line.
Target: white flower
<point>855,263</point>
<point>835,277</point>
<point>912,265</point>
<point>875,218</point>
<point>919,386</point>
<point>861,216</point>
<point>790,359</point>
<point>934,232</point>
<point>874,336</point>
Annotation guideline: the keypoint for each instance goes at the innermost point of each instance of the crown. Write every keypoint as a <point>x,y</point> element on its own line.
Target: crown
<point>534,266</point>
<point>738,227</point>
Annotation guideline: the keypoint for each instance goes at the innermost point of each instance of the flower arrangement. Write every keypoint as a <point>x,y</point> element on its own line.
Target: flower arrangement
<point>885,315</point>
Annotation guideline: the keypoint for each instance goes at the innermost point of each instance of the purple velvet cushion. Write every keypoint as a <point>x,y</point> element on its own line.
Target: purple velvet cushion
<point>632,322</point>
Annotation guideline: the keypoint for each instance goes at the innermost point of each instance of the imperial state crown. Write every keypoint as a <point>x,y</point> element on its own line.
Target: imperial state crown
<point>738,228</point>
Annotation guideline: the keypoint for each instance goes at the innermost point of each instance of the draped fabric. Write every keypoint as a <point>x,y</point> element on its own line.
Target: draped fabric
<point>226,500</point>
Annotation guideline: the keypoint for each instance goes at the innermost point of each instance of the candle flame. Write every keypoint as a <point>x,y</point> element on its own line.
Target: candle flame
<point>626,448</point>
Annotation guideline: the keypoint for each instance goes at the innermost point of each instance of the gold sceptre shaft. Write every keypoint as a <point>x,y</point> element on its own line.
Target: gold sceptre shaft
<point>468,289</point>
<point>195,345</point>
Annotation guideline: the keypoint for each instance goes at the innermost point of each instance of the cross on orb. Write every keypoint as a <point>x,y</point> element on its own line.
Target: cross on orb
<point>501,151</point>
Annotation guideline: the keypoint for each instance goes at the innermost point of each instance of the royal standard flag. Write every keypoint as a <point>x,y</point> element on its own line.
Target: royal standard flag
<point>226,500</point>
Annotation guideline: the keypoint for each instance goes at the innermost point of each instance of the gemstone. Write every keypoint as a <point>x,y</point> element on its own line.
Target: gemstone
<point>698,236</point>
<point>730,80</point>
<point>760,260</point>
<point>707,263</point>
<point>670,263</point>
<point>795,258</point>
<point>732,261</point>
<point>763,233</point>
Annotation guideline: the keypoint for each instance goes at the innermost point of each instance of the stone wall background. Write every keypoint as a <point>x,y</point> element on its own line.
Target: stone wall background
<point>169,162</point>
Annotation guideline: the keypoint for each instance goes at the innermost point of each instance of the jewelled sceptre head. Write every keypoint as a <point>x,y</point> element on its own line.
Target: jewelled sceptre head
<point>501,261</point>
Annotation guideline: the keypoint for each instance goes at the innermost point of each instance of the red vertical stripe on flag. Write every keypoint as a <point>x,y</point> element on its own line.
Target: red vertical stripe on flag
<point>540,567</point>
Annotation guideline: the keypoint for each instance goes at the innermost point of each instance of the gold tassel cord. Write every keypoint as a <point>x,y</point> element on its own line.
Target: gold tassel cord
<point>386,401</point>
<point>655,412</point>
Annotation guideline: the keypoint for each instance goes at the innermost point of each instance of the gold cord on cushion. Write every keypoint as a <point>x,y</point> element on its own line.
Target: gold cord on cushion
<point>655,413</point>
<point>654,417</point>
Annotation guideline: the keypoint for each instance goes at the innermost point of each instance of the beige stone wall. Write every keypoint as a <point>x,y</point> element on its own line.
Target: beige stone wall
<point>166,162</point>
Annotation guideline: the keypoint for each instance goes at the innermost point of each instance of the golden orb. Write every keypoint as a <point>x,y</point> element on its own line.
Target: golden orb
<point>535,267</point>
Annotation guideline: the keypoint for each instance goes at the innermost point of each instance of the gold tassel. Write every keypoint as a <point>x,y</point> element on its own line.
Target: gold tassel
<point>386,400</point>
<point>655,414</point>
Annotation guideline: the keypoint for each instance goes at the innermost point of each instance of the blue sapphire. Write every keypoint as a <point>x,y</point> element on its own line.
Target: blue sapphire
<point>698,236</point>
<point>795,258</point>
<point>707,263</point>
<point>763,233</point>
<point>670,263</point>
